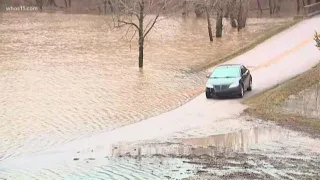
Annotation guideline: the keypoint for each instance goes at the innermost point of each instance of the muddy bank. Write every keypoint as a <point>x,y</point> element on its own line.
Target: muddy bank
<point>305,103</point>
<point>293,103</point>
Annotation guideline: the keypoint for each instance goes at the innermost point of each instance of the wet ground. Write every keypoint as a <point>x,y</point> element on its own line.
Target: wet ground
<point>265,151</point>
<point>63,77</point>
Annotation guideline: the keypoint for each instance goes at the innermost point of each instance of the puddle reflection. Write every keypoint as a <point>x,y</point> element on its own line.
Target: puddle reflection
<point>241,141</point>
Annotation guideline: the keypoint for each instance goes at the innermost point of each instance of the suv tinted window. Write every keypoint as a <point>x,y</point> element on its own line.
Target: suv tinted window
<point>243,69</point>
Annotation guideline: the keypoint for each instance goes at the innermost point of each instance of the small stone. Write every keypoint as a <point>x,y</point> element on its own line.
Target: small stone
<point>75,159</point>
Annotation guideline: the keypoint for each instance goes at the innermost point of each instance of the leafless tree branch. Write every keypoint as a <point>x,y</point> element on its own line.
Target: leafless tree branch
<point>127,23</point>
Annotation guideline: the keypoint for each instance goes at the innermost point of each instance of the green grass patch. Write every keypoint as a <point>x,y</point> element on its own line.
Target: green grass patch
<point>266,104</point>
<point>247,47</point>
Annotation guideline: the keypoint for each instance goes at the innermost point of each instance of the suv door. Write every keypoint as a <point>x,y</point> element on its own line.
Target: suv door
<point>245,76</point>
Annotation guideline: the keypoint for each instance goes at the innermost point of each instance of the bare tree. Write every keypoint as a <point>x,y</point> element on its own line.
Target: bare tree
<point>259,6</point>
<point>185,9</point>
<point>52,2</point>
<point>199,8</point>
<point>233,12</point>
<point>227,9</point>
<point>219,24</point>
<point>298,6</point>
<point>239,13</point>
<point>128,10</point>
<point>209,24</point>
<point>40,4</point>
<point>209,7</point>
<point>66,3</point>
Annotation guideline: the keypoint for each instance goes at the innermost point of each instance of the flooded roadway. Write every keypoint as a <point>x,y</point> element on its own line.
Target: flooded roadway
<point>63,77</point>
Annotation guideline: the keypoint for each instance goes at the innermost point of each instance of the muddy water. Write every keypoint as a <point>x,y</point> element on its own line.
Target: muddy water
<point>63,76</point>
<point>239,141</point>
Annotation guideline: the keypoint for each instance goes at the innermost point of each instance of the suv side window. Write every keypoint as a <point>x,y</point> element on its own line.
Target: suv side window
<point>243,69</point>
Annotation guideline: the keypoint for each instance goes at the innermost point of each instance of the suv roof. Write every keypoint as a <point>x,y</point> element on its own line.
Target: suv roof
<point>232,65</point>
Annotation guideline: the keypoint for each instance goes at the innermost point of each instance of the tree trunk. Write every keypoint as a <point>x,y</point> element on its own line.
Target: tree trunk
<point>239,19</point>
<point>209,24</point>
<point>271,7</point>
<point>274,6</point>
<point>259,6</point>
<point>111,6</point>
<point>227,12</point>
<point>70,3</point>
<point>232,14</point>
<point>244,20</point>
<point>66,3</point>
<point>141,38</point>
<point>298,6</point>
<point>198,9</point>
<point>40,4</point>
<point>279,5</point>
<point>141,43</point>
<point>185,8</point>
<point>219,23</point>
<point>52,2</point>
<point>105,6</point>
<point>308,2</point>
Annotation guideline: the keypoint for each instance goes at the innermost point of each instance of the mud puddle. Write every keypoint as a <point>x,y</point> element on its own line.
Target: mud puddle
<point>240,141</point>
<point>257,153</point>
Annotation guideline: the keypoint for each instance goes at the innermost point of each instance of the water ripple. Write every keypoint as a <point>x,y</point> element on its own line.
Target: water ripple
<point>63,77</point>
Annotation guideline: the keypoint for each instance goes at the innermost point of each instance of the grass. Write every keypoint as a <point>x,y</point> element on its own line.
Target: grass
<point>265,105</point>
<point>248,47</point>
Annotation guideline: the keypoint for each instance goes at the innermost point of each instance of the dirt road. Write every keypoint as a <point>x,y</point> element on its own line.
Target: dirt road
<point>277,59</point>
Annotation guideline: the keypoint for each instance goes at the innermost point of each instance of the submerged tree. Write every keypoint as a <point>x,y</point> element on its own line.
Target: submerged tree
<point>238,13</point>
<point>52,2</point>
<point>274,6</point>
<point>259,6</point>
<point>200,7</point>
<point>133,13</point>
<point>40,4</point>
<point>219,24</point>
<point>209,6</point>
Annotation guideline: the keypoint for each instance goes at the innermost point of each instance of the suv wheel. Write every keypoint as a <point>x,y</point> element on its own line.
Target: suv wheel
<point>241,91</point>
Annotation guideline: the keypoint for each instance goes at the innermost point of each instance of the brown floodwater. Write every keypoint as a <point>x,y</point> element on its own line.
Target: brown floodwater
<point>65,76</point>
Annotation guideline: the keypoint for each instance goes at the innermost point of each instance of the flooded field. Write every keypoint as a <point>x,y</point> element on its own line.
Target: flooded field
<point>63,76</point>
